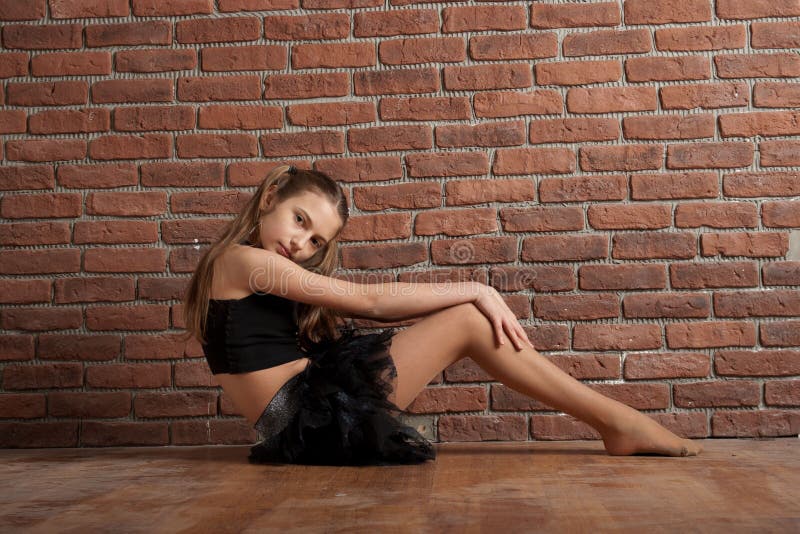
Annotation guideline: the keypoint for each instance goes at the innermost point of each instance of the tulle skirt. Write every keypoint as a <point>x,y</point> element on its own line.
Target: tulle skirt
<point>337,412</point>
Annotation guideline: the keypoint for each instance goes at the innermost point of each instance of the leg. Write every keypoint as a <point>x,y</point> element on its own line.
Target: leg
<point>460,331</point>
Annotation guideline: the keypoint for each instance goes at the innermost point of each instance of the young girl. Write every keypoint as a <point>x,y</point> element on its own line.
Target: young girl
<point>268,314</point>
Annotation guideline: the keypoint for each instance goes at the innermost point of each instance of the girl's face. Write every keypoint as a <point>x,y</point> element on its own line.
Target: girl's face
<point>299,226</point>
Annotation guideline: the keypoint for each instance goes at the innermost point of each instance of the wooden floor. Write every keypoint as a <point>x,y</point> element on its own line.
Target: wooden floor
<point>733,486</point>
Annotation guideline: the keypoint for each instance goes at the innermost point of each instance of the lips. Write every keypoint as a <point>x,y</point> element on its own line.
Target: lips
<point>282,250</point>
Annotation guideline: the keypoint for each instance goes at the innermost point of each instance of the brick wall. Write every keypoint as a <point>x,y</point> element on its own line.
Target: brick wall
<point>625,174</point>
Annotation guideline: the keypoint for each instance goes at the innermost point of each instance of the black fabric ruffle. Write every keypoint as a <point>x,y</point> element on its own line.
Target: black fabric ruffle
<point>337,412</point>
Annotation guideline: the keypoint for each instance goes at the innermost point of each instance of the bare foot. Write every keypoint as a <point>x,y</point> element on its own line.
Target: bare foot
<point>635,433</point>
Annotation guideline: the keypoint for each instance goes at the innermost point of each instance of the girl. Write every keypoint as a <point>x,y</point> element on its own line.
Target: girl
<point>267,312</point>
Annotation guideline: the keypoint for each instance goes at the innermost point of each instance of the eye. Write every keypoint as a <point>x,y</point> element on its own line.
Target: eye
<point>316,241</point>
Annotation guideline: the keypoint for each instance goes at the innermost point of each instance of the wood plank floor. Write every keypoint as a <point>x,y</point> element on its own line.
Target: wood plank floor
<point>492,487</point>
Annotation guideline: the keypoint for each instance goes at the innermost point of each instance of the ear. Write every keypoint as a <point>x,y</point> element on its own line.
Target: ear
<point>267,198</point>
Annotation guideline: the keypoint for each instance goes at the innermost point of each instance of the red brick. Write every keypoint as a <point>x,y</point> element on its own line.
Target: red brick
<point>751,244</point>
<point>153,375</point>
<point>779,153</point>
<point>41,261</point>
<point>447,164</point>
<point>236,58</point>
<point>331,56</point>
<point>330,114</point>
<point>712,275</point>
<point>775,34</point>
<point>486,134</point>
<point>556,278</point>
<point>216,146</point>
<point>225,117</point>
<point>456,222</point>
<point>208,202</point>
<point>666,11</point>
<point>377,227</point>
<point>146,146</point>
<point>392,82</point>
<point>41,205</point>
<point>513,104</point>
<point>16,347</point>
<point>26,177</point>
<point>629,216</point>
<point>42,36</point>
<point>708,334</point>
<point>782,393</point>
<point>405,196</point>
<point>142,90</point>
<point>757,363</point>
<point>754,9</point>
<point>780,214</point>
<point>422,50</point>
<point>138,119</point>
<point>13,64</point>
<point>453,428</point>
<point>474,250</point>
<point>424,108</point>
<point>386,138</point>
<point>483,18</point>
<point>777,65</point>
<point>710,394</point>
<point>580,189</point>
<point>645,245</point>
<point>542,219</point>
<point>395,22</point>
<point>658,305</point>
<point>156,32</point>
<point>94,289</point>
<point>158,8</point>
<point>701,38</point>
<point>183,174</point>
<point>765,123</point>
<point>761,423</point>
<point>669,127</point>
<point>630,276</point>
<point>378,168</point>
<point>115,232</point>
<point>607,42</point>
<point>155,60</point>
<point>23,406</point>
<point>564,248</point>
<point>215,30</point>
<point>726,214</point>
<point>43,376</point>
<point>41,319</point>
<point>127,260</point>
<point>63,93</point>
<point>70,121</point>
<point>307,27</point>
<point>515,46</point>
<point>479,77</point>
<point>611,99</point>
<point>45,149</point>
<point>22,10</point>
<point>573,130</point>
<point>783,333</point>
<point>648,69</point>
<point>294,86</point>
<point>710,155</point>
<point>175,404</point>
<point>303,143</point>
<point>574,15</point>
<point>98,176</point>
<point>576,307</point>
<point>383,255</point>
<point>89,9</point>
<point>621,158</point>
<point>125,204</point>
<point>13,121</point>
<point>616,336</point>
<point>667,365</point>
<point>71,64</point>
<point>674,186</point>
<point>251,173</point>
<point>533,161</point>
<point>767,303</point>
<point>782,273</point>
<point>707,96</point>
<point>776,94</point>
<point>206,89</point>
<point>578,72</point>
<point>461,192</point>
<point>265,5</point>
<point>36,233</point>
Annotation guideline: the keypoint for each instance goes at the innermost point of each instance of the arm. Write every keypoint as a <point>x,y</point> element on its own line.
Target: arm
<point>402,300</point>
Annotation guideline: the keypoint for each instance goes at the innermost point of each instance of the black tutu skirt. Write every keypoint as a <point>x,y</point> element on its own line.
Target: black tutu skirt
<point>337,412</point>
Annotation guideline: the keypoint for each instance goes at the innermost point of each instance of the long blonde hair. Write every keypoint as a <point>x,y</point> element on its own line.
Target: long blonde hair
<point>315,323</point>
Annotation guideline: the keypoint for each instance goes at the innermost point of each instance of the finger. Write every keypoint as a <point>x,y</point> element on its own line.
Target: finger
<point>498,327</point>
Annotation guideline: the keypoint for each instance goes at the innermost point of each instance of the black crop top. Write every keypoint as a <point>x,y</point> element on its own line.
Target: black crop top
<point>256,332</point>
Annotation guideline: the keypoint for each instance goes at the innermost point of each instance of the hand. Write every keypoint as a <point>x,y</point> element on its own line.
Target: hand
<point>492,305</point>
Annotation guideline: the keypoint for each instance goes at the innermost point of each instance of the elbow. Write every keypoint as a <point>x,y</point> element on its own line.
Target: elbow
<point>372,307</point>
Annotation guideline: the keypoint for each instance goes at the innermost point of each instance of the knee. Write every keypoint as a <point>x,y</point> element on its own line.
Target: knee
<point>471,316</point>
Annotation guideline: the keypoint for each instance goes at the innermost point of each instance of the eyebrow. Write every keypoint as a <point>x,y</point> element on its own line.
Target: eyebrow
<point>308,217</point>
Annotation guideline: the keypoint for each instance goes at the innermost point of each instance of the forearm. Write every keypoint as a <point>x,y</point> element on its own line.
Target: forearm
<point>396,300</point>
